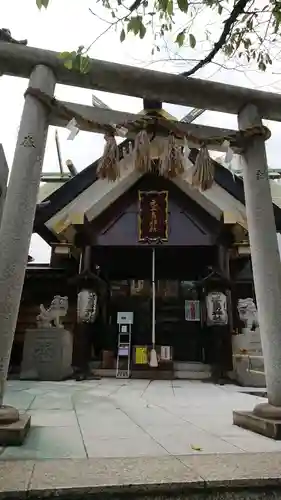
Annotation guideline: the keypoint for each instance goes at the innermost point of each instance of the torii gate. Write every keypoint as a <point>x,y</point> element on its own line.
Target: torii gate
<point>45,69</point>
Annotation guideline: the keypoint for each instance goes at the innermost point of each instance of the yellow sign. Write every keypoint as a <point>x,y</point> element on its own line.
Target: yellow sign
<point>141,356</point>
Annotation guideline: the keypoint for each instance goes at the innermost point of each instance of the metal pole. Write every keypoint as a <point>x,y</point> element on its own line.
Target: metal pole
<point>153,355</point>
<point>59,151</point>
<point>153,298</point>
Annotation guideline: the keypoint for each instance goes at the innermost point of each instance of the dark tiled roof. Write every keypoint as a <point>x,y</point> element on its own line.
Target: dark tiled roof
<point>75,186</point>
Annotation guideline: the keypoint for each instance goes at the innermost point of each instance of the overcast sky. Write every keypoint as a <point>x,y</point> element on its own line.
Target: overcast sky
<point>66,25</point>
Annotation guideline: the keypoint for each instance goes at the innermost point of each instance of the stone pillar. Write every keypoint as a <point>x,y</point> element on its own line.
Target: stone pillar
<point>4,171</point>
<point>19,211</point>
<point>264,251</point>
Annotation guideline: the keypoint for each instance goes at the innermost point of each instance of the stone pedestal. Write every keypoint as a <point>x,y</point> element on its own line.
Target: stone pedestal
<point>248,340</point>
<point>13,426</point>
<point>248,370</point>
<point>269,427</point>
<point>47,354</point>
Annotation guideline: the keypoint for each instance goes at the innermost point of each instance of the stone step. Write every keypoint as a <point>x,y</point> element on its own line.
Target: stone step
<point>192,366</point>
<point>192,375</point>
<point>257,363</point>
<point>138,374</point>
<point>153,374</point>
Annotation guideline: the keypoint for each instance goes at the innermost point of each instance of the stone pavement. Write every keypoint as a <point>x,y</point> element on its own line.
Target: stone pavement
<point>205,477</point>
<point>132,418</point>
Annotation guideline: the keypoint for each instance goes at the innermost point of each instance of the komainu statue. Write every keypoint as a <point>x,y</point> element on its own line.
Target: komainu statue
<point>5,36</point>
<point>248,314</point>
<point>49,318</point>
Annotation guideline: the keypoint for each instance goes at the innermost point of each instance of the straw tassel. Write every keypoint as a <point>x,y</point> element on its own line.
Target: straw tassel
<point>203,173</point>
<point>142,157</point>
<point>109,164</point>
<point>171,160</point>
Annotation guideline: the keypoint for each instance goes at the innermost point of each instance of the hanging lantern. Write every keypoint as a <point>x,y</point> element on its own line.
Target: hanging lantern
<point>216,304</point>
<point>204,172</point>
<point>109,163</point>
<point>87,306</point>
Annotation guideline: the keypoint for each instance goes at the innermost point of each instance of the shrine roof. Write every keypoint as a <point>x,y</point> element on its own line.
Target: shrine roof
<point>66,195</point>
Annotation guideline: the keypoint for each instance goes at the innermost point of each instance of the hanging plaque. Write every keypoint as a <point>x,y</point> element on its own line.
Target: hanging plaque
<point>153,216</point>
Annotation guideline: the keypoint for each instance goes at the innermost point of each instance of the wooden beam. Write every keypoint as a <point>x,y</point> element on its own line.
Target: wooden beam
<point>103,116</point>
<point>18,60</point>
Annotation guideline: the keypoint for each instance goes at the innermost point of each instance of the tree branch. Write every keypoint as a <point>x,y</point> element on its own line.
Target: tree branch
<point>237,10</point>
<point>132,8</point>
<point>135,5</point>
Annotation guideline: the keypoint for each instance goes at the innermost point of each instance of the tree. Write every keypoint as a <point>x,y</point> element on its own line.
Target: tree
<point>251,28</point>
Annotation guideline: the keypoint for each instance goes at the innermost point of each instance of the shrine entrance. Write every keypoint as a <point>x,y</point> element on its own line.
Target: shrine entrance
<point>178,312</point>
<point>178,305</point>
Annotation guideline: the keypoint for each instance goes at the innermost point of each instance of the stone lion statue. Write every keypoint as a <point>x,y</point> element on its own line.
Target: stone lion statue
<point>51,317</point>
<point>248,314</point>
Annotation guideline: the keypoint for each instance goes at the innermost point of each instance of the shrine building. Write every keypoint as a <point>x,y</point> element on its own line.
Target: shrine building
<point>175,257</point>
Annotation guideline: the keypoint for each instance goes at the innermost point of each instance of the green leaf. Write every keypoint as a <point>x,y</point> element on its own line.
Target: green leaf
<point>134,25</point>
<point>192,40</point>
<point>170,8</point>
<point>220,9</point>
<point>196,448</point>
<point>142,31</point>
<point>42,3</point>
<point>65,55</point>
<point>76,63</point>
<point>122,35</point>
<point>183,5</point>
<point>85,64</point>
<point>180,39</point>
<point>262,66</point>
<point>163,5</point>
<point>68,64</point>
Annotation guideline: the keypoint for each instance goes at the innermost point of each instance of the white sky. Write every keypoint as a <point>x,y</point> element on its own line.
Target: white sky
<point>66,25</point>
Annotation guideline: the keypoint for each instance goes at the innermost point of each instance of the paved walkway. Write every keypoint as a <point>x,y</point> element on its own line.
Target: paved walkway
<point>132,418</point>
<point>205,477</point>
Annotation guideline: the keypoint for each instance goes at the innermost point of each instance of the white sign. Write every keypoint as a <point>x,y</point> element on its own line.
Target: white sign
<point>125,318</point>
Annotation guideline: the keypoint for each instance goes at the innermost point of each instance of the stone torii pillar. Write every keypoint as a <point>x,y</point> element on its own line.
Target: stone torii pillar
<point>17,225</point>
<point>266,418</point>
<point>4,171</point>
